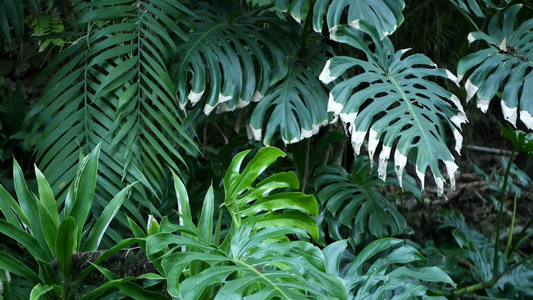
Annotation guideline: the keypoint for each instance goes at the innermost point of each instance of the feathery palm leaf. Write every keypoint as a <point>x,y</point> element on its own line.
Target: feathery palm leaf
<point>114,88</point>
<point>412,112</point>
<point>506,64</point>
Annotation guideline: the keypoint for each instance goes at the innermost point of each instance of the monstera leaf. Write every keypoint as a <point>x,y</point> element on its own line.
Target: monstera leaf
<point>253,267</point>
<point>383,278</point>
<point>256,260</point>
<point>297,104</point>
<point>236,60</point>
<point>355,202</point>
<point>394,103</point>
<point>245,199</point>
<point>113,86</point>
<point>472,6</point>
<point>505,65</point>
<point>385,15</point>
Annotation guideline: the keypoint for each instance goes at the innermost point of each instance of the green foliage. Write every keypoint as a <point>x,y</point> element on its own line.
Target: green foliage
<point>505,64</point>
<point>112,86</point>
<point>476,260</point>
<point>354,202</point>
<point>473,6</point>
<point>52,236</point>
<point>382,278</point>
<point>256,259</point>
<point>414,113</point>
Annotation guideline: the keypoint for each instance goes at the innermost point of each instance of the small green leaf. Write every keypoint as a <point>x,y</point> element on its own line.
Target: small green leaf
<point>65,247</point>
<point>10,264</point>
<point>26,240</point>
<point>97,232</point>
<point>39,290</point>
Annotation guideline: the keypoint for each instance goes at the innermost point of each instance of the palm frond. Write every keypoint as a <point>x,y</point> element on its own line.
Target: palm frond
<point>114,88</point>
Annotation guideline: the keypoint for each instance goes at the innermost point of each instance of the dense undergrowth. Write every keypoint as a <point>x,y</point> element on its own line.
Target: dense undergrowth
<point>266,149</point>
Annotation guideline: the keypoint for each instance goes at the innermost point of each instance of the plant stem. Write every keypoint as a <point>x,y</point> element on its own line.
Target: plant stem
<point>521,236</point>
<point>306,165</point>
<point>510,237</point>
<point>500,215</point>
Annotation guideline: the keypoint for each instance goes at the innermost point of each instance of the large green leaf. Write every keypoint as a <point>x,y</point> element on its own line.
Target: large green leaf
<point>354,200</point>
<point>297,104</point>
<point>393,102</point>
<point>385,15</point>
<point>113,87</point>
<point>473,6</point>
<point>505,65</point>
<point>235,61</point>
<point>244,198</point>
<point>255,269</point>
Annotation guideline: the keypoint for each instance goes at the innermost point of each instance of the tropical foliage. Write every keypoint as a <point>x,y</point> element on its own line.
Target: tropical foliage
<point>170,98</point>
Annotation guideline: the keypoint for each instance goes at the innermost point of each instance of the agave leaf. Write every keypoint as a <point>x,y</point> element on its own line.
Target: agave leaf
<point>98,229</point>
<point>505,64</point>
<point>39,290</point>
<point>416,111</point>
<point>83,190</point>
<point>28,241</point>
<point>65,247</point>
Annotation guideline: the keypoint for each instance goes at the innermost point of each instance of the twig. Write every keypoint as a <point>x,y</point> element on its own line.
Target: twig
<point>490,150</point>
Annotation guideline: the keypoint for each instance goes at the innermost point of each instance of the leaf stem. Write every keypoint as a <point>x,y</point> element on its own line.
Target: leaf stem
<point>500,215</point>
<point>510,236</point>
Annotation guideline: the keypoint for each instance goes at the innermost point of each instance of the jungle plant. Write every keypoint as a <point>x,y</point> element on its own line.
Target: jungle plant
<point>259,258</point>
<point>503,277</point>
<point>354,203</point>
<point>54,239</point>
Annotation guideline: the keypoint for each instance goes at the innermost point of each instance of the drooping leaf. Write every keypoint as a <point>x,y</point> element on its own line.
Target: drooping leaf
<point>234,61</point>
<point>473,6</point>
<point>506,65</point>
<point>385,15</point>
<point>297,105</point>
<point>393,102</point>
